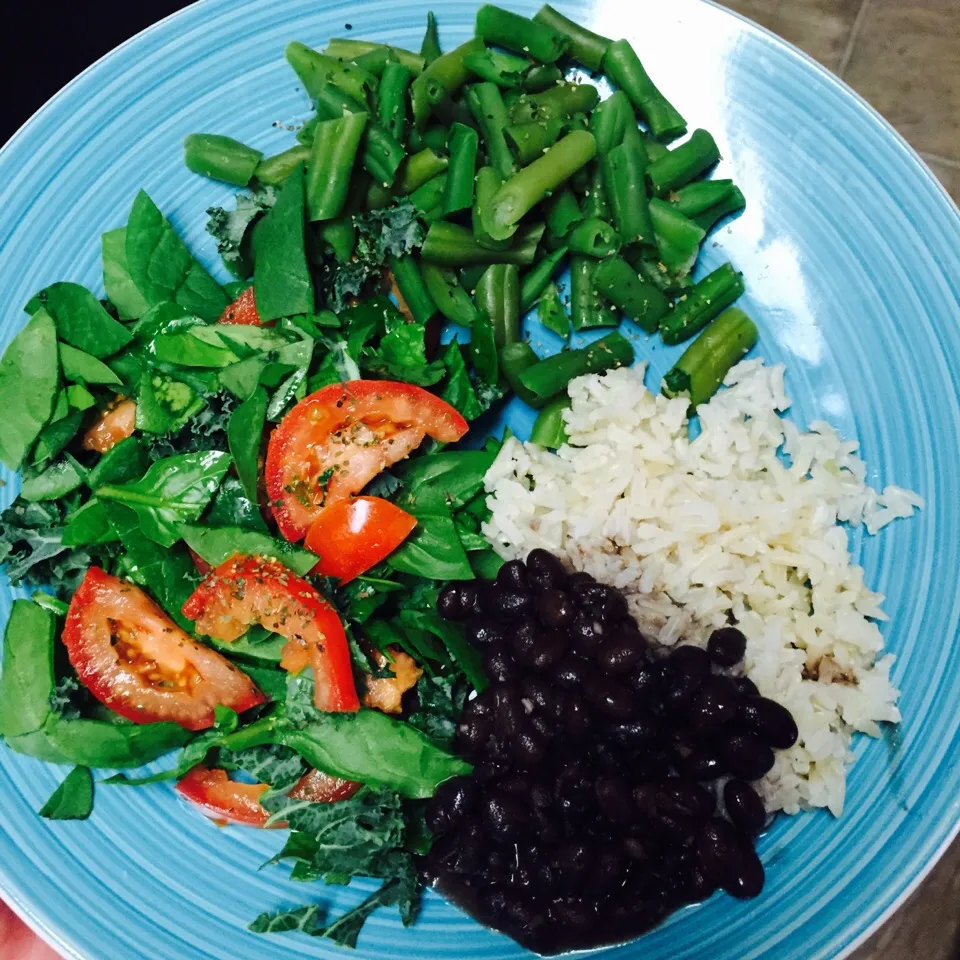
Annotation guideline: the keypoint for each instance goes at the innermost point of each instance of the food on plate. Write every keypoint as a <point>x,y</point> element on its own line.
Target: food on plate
<point>266,521</point>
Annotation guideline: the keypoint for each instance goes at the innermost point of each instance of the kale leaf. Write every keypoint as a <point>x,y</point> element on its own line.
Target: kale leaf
<point>230,228</point>
<point>205,430</point>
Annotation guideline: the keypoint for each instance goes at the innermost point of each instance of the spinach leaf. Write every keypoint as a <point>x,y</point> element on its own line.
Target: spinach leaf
<point>466,656</point>
<point>88,525</point>
<point>163,268</point>
<point>56,481</point>
<point>200,346</point>
<point>120,464</point>
<point>271,681</point>
<point>441,700</point>
<point>79,397</point>
<point>55,436</point>
<point>97,743</point>
<point>433,550</point>
<point>82,321</point>
<point>217,544</point>
<point>122,292</point>
<point>458,390</point>
<point>457,474</point>
<point>486,563</point>
<point>292,390</point>
<point>73,799</point>
<point>245,438</point>
<point>241,378</point>
<point>28,386</point>
<point>282,280</point>
<point>81,367</point>
<point>231,228</point>
<point>27,682</point>
<point>231,508</point>
<point>164,405</point>
<point>402,355</point>
<point>173,491</point>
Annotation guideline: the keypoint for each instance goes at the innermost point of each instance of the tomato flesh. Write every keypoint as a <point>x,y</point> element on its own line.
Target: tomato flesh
<point>334,442</point>
<point>223,798</point>
<point>386,693</point>
<point>248,589</point>
<point>115,423</point>
<point>351,536</point>
<point>319,787</point>
<point>132,657</point>
<point>243,311</point>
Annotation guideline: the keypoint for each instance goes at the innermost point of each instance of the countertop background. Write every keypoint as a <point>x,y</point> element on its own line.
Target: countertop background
<point>903,56</point>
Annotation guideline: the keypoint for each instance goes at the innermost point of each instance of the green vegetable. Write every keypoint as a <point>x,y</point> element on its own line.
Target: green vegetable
<point>441,79</point>
<point>217,544</point>
<point>587,309</point>
<point>83,368</point>
<point>82,321</point>
<point>96,743</point>
<point>55,436</point>
<point>593,237</point>
<point>708,201</point>
<point>120,464</point>
<point>678,239</point>
<point>392,95</point>
<point>233,229</point>
<point>503,69</point>
<point>458,190</point>
<point>684,163</point>
<point>412,288</point>
<point>27,681</point>
<point>502,28</point>
<point>330,167</point>
<point>531,140</point>
<point>498,298</point>
<point>584,45</point>
<point>449,244</point>
<point>430,47</point>
<point>173,491</point>
<point>55,482</point>
<point>619,283</point>
<point>709,298</point>
<point>433,551</point>
<point>623,178</point>
<point>458,391</point>
<point>483,349</point>
<point>449,297</point>
<point>514,359</point>
<point>562,100</point>
<point>420,168</point>
<point>164,405</point>
<point>274,170</point>
<point>610,121</point>
<point>88,525</point>
<point>536,279</point>
<point>245,435</point>
<point>121,290</point>
<point>551,311</point>
<point>28,386</point>
<point>220,158</point>
<point>73,799</point>
<point>549,429</point>
<point>79,397</point>
<point>349,49</point>
<point>551,375</point>
<point>490,113</point>
<point>163,268</point>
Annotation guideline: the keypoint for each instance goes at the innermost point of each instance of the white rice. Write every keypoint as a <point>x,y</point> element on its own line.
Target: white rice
<point>693,530</point>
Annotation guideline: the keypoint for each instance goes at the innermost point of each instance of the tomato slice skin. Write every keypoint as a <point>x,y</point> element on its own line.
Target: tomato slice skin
<point>319,787</point>
<point>223,798</point>
<point>351,536</point>
<point>132,657</point>
<point>334,442</point>
<point>243,311</point>
<point>245,590</point>
<point>115,423</point>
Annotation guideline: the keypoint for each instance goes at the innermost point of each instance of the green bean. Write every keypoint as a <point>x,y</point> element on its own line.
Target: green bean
<point>619,283</point>
<point>343,48</point>
<point>470,276</point>
<point>684,163</point>
<point>705,363</point>
<point>414,291</point>
<point>593,237</point>
<point>538,276</point>
<point>316,70</point>
<point>524,190</point>
<point>341,234</point>
<point>587,308</point>
<point>502,28</point>
<point>428,199</point>
<point>623,177</point>
<point>451,299</point>
<point>653,271</point>
<point>563,212</point>
<point>451,245</point>
<point>530,140</point>
<point>420,168</point>
<point>435,137</point>
<point>586,46</point>
<point>486,105</point>
<point>430,46</point>
<point>498,296</point>
<point>458,193</point>
<point>549,429</point>
<point>561,100</point>
<point>678,238</point>
<point>487,183</point>
<point>622,65</point>
<point>541,76</point>
<point>276,169</point>
<point>596,202</point>
<point>514,359</point>
<point>503,69</point>
<point>609,121</point>
<point>655,149</point>
<point>442,78</point>
<point>552,313</point>
<point>382,152</point>
<point>483,350</point>
<point>392,99</point>
<point>708,201</point>
<point>330,166</point>
<point>710,297</point>
<point>377,196</point>
<point>550,376</point>
<point>220,158</point>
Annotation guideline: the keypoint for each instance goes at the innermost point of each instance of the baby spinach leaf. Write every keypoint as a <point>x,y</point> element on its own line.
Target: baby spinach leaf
<point>173,491</point>
<point>28,386</point>
<point>122,292</point>
<point>402,355</point>
<point>82,321</point>
<point>205,429</point>
<point>79,397</point>
<point>200,346</point>
<point>164,405</point>
<point>282,280</point>
<point>218,544</point>
<point>120,464</point>
<point>82,367</point>
<point>55,436</point>
<point>97,743</point>
<point>458,390</point>
<point>466,656</point>
<point>27,682</point>
<point>483,350</point>
<point>458,474</point>
<point>56,481</point>
<point>163,268</point>
<point>73,799</point>
<point>433,550</point>
<point>88,525</point>
<point>245,437</point>
<point>292,389</point>
<point>231,508</point>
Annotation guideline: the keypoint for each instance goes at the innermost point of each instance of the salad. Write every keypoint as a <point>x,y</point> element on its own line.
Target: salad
<point>241,501</point>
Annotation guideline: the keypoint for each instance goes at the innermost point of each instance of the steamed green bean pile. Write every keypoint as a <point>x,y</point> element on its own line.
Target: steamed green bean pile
<point>517,170</point>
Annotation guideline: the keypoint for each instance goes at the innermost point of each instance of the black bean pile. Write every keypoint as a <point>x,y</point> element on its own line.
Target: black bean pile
<point>611,784</point>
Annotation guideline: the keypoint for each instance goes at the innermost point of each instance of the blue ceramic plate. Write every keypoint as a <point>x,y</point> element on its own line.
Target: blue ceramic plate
<point>851,252</point>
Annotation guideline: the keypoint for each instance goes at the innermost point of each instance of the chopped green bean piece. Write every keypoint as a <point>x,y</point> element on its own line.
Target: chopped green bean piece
<point>531,140</point>
<point>392,99</point>
<point>498,296</point>
<point>710,297</point>
<point>486,105</point>
<point>420,168</point>
<point>514,359</point>
<point>503,69</point>
<point>550,376</point>
<point>551,312</point>
<point>451,299</point>
<point>593,237</point>
<point>220,158</point>
<point>316,70</point>
<point>563,212</point>
<point>619,283</point>
<point>503,28</point>
<point>343,48</point>
<point>451,245</point>
<point>678,238</point>
<point>430,46</point>
<point>274,170</point>
<point>623,176</point>
<point>458,192</point>
<point>549,429</point>
<point>487,183</point>
<point>330,167</point>
<point>442,78</point>
<point>587,308</point>
<point>562,100</point>
<point>541,76</point>
<point>538,276</point>
<point>412,288</point>
<point>586,46</point>
<point>684,163</point>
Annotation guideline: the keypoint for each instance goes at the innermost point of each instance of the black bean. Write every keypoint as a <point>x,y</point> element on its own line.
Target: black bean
<point>690,661</point>
<point>573,915</point>
<point>636,734</point>
<point>517,785</point>
<point>744,806</point>
<point>555,608</point>
<point>463,852</point>
<point>513,575</point>
<point>572,861</point>
<point>749,878</point>
<point>544,726</point>
<point>586,633</point>
<point>504,817</point>
<point>579,581</point>
<point>606,603</point>
<point>576,716</point>
<point>450,605</point>
<point>611,698</point>
<point>718,851</point>
<point>546,697</point>
<point>769,720</point>
<point>573,671</point>
<point>714,704</point>
<point>544,570</point>
<point>726,646</point>
<point>482,632</point>
<point>508,604</point>
<point>646,680</point>
<point>508,710</point>
<point>697,886</point>
<point>621,652</point>
<point>523,636</point>
<point>528,747</point>
<point>684,671</point>
<point>454,800</point>
<point>609,868</point>
<point>745,755</point>
<point>685,800</point>
<point>614,800</point>
<point>746,687</point>
<point>705,763</point>
<point>500,665</point>
<point>547,652</point>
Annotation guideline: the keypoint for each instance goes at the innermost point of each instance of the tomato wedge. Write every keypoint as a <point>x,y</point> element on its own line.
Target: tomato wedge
<point>334,442</point>
<point>386,693</point>
<point>351,536</point>
<point>115,423</point>
<point>223,798</point>
<point>248,589</point>
<point>132,657</point>
<point>243,310</point>
<point>319,787</point>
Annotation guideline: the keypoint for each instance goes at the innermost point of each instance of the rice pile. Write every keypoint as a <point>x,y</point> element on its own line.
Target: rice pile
<point>694,530</point>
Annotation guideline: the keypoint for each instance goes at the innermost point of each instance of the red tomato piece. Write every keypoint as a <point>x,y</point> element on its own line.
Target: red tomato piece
<point>243,310</point>
<point>132,657</point>
<point>115,423</point>
<point>246,590</point>
<point>319,787</point>
<point>334,442</point>
<point>203,568</point>
<point>224,799</point>
<point>351,536</point>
